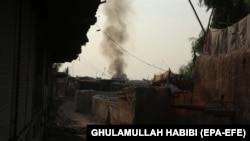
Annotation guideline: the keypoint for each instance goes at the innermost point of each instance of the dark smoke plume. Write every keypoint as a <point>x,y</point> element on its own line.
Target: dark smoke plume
<point>116,33</point>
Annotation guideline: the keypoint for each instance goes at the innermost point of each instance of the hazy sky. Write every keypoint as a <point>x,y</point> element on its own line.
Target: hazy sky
<point>159,33</point>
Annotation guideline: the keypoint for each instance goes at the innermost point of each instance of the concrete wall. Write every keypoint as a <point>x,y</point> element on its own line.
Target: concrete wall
<point>126,107</point>
<point>113,110</point>
<point>83,99</point>
<point>142,105</point>
<point>102,108</point>
<point>153,106</point>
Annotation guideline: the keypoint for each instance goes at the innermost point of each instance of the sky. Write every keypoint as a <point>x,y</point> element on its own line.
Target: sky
<point>159,33</point>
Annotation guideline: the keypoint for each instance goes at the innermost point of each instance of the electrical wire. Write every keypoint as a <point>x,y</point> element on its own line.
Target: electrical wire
<point>119,46</point>
<point>93,67</point>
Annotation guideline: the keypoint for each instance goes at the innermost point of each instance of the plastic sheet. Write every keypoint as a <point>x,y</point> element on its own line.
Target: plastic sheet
<point>232,38</point>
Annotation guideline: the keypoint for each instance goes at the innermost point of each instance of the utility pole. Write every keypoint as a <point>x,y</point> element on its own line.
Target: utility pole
<point>197,17</point>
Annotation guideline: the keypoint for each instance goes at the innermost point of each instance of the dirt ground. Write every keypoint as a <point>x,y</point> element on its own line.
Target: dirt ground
<point>68,125</point>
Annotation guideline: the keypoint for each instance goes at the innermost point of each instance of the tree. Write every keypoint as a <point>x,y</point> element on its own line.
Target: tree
<point>187,71</point>
<point>226,12</point>
<point>197,45</point>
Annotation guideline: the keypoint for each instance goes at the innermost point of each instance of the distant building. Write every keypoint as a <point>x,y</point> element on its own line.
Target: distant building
<point>163,77</point>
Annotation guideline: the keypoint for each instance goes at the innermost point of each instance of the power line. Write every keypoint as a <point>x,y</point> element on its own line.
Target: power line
<point>93,67</point>
<point>117,45</point>
<point>164,63</point>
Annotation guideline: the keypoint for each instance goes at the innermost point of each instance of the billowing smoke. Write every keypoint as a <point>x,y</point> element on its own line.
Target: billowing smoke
<point>116,34</point>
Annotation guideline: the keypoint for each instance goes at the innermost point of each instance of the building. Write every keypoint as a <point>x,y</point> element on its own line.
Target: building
<point>34,34</point>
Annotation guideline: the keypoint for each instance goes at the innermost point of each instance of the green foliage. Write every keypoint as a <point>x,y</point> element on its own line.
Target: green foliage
<point>226,12</point>
<point>197,45</point>
<point>187,71</point>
